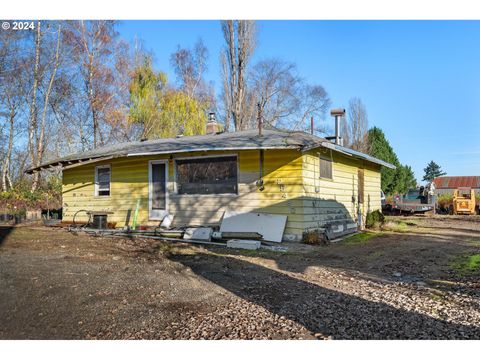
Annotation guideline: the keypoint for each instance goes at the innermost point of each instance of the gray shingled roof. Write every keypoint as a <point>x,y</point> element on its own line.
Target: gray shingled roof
<point>240,140</point>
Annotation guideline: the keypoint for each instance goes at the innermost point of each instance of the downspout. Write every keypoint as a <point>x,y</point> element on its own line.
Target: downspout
<point>259,182</point>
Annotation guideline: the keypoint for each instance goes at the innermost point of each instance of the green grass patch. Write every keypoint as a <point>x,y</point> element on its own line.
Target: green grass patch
<point>466,264</point>
<point>360,238</point>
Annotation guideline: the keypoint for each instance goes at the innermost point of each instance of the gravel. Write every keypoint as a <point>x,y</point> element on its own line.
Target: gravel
<point>55,285</point>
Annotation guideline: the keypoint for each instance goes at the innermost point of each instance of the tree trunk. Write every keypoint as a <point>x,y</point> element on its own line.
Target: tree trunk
<point>8,157</point>
<point>95,126</point>
<point>41,143</point>
<point>240,38</point>
<point>32,129</point>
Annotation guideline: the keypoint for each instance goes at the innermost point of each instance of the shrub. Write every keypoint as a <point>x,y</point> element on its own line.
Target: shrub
<point>374,219</point>
<point>19,199</point>
<point>314,237</point>
<point>444,201</point>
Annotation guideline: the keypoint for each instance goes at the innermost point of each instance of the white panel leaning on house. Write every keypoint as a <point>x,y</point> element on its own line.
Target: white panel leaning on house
<point>270,226</point>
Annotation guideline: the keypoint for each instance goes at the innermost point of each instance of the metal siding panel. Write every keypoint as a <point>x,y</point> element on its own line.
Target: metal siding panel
<point>453,182</point>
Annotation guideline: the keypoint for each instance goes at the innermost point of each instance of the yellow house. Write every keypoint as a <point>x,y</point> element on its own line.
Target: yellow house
<point>316,183</point>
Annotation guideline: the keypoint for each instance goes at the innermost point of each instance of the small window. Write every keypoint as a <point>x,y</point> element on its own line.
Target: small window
<point>207,175</point>
<point>326,168</point>
<point>102,180</point>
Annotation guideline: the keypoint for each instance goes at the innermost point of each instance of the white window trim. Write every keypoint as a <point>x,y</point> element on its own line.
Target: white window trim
<point>161,214</point>
<point>96,181</point>
<point>175,188</point>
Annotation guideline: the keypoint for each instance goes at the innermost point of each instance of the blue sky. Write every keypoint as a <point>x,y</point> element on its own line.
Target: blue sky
<point>420,80</point>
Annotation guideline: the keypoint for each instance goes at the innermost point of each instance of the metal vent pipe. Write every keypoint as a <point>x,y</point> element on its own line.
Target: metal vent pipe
<point>337,113</point>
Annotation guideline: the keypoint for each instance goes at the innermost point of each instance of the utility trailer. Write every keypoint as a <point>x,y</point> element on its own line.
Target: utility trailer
<point>414,201</point>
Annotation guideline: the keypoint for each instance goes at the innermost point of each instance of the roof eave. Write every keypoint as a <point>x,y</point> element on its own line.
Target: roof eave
<point>69,163</point>
<point>350,152</point>
<point>89,160</point>
<point>287,147</point>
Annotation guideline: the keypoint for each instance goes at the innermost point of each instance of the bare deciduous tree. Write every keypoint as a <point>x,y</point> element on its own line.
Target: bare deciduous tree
<point>240,39</point>
<point>100,56</point>
<point>45,67</point>
<point>190,67</point>
<point>275,86</point>
<point>314,102</point>
<point>32,124</point>
<point>285,99</point>
<point>12,71</point>
<point>355,129</point>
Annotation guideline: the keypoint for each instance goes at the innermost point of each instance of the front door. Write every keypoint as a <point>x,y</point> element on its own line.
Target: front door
<point>157,189</point>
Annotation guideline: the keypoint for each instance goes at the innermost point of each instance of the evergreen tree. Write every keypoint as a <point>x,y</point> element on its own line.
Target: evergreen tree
<point>432,171</point>
<point>406,179</point>
<point>394,181</point>
<point>381,149</point>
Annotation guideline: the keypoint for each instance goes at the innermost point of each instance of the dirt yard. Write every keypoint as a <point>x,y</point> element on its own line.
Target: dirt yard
<point>420,280</point>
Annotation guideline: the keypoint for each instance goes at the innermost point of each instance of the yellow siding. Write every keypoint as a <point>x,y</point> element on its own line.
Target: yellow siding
<point>337,199</point>
<point>291,187</point>
<point>129,182</point>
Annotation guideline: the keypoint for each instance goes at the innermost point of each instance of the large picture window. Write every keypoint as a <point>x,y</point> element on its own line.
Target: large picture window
<point>102,180</point>
<point>211,175</point>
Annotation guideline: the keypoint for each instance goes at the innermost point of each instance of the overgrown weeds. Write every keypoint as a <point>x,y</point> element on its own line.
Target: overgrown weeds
<point>399,226</point>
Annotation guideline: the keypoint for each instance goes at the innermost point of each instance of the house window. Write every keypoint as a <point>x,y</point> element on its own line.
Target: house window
<point>102,180</point>
<point>326,168</point>
<point>209,175</point>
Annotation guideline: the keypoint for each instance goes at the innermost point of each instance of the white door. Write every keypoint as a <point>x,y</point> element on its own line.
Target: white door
<point>157,189</point>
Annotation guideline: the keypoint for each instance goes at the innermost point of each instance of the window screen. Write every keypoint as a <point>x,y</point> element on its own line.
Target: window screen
<point>325,168</point>
<point>159,189</point>
<point>103,181</point>
<point>207,175</point>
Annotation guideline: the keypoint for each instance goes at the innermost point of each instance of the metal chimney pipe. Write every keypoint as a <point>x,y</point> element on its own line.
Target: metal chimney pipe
<point>311,125</point>
<point>259,118</point>
<point>337,113</point>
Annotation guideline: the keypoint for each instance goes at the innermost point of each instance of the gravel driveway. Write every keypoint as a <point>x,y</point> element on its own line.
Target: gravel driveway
<point>56,285</point>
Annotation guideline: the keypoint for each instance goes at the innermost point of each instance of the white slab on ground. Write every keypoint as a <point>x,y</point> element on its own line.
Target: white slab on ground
<point>244,244</point>
<point>200,233</point>
<point>269,225</point>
